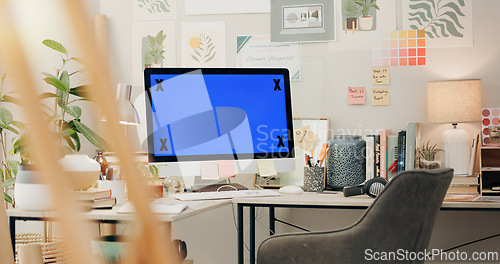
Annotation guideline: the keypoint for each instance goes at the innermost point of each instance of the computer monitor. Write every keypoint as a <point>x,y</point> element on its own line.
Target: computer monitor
<point>212,114</point>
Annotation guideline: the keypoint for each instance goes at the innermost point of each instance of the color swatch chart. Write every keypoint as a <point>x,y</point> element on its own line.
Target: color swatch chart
<point>489,117</point>
<point>398,48</point>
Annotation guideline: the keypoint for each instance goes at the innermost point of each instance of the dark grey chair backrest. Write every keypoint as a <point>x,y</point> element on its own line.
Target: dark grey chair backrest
<point>400,220</point>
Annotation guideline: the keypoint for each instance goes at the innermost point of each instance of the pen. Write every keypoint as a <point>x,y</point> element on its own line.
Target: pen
<point>322,155</point>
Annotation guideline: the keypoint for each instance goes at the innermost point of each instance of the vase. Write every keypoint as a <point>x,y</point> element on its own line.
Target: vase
<point>82,170</point>
<point>29,192</point>
<point>366,23</point>
<point>429,164</point>
<point>345,164</point>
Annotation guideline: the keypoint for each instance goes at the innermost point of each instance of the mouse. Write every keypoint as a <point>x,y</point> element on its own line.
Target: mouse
<point>291,189</point>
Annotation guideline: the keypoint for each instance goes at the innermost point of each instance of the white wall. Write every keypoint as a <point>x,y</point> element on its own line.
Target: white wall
<point>322,93</point>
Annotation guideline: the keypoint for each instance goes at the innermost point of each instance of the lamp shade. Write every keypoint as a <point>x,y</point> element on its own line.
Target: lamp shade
<point>127,112</point>
<point>454,101</point>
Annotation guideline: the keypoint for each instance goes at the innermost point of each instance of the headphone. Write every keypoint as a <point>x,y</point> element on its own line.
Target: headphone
<point>372,187</point>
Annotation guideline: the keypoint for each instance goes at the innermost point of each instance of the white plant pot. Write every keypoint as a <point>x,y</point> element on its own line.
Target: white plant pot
<point>366,23</point>
<point>29,193</point>
<point>82,170</point>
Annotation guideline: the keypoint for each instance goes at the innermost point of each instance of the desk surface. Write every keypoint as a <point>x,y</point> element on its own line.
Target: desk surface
<point>337,199</point>
<point>194,208</point>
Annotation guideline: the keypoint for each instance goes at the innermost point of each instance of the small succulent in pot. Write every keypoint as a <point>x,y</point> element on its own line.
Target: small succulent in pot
<point>427,157</point>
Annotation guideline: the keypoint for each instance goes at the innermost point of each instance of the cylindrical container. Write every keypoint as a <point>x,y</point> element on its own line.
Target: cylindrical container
<point>314,179</point>
<point>345,164</point>
<point>29,192</point>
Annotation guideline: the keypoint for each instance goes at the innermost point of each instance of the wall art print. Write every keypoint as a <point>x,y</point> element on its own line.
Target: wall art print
<point>154,9</point>
<point>154,46</point>
<point>203,44</point>
<point>447,23</point>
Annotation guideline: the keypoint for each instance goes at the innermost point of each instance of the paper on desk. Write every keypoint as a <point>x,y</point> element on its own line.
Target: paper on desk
<point>209,170</point>
<point>266,168</point>
<point>157,207</point>
<point>227,168</point>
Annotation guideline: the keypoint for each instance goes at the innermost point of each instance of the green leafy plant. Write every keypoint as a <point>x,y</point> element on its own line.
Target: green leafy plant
<point>366,5</point>
<point>438,18</point>
<point>150,171</point>
<point>8,125</point>
<point>155,48</point>
<point>428,152</point>
<point>351,9</point>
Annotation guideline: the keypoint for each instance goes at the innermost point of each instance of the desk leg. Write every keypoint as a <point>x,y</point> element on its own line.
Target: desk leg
<point>241,253</point>
<point>272,225</point>
<point>12,226</point>
<point>252,234</point>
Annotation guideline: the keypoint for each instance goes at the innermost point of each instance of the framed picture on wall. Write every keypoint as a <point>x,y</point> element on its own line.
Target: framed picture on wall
<point>302,21</point>
<point>309,136</point>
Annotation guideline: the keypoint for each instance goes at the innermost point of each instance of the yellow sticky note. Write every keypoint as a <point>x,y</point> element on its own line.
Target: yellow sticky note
<point>266,168</point>
<point>380,75</point>
<point>380,96</point>
<point>227,168</point>
<point>209,170</point>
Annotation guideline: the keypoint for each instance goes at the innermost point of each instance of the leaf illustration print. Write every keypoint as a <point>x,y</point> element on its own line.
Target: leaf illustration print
<point>154,6</point>
<point>439,18</point>
<point>203,48</point>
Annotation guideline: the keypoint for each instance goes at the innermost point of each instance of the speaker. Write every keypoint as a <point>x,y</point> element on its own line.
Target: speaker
<point>372,187</point>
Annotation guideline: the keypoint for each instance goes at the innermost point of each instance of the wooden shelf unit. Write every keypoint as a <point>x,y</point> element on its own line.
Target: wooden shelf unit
<point>489,170</point>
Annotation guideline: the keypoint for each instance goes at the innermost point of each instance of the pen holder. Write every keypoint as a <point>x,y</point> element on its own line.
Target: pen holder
<point>314,179</point>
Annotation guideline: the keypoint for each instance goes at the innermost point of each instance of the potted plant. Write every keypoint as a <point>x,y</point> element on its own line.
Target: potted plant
<point>154,56</point>
<point>351,11</point>
<point>366,21</point>
<point>427,157</point>
<point>9,128</point>
<point>63,115</point>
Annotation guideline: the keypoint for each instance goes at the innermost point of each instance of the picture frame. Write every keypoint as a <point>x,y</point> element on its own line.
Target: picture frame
<point>318,132</point>
<point>302,21</point>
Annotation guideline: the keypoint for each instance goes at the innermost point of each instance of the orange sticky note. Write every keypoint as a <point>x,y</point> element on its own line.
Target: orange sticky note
<point>227,168</point>
<point>356,95</point>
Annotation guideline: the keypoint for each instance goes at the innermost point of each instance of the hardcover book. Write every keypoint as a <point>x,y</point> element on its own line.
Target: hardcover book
<point>370,153</point>
<point>384,133</point>
<point>401,150</point>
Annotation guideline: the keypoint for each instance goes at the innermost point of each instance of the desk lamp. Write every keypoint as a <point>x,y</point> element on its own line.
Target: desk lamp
<point>454,102</point>
<point>126,111</point>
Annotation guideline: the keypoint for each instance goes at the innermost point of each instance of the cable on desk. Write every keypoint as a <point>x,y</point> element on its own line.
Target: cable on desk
<point>472,242</point>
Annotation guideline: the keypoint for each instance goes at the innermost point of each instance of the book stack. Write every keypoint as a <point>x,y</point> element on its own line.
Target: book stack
<point>468,184</point>
<point>95,198</point>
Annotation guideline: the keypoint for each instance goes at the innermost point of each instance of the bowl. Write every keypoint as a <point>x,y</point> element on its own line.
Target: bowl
<point>82,170</point>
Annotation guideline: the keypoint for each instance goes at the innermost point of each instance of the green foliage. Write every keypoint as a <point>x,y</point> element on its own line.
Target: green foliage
<point>154,6</point>
<point>351,9</point>
<point>428,152</point>
<point>150,171</point>
<point>205,52</point>
<point>366,5</point>
<point>155,48</point>
<point>437,18</point>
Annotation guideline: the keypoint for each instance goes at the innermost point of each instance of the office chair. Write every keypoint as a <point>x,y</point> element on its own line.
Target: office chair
<point>400,220</point>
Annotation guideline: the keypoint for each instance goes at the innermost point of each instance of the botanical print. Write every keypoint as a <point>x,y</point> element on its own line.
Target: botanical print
<point>154,46</point>
<point>203,48</point>
<point>447,23</point>
<point>154,6</point>
<point>154,9</point>
<point>438,18</point>
<point>203,44</point>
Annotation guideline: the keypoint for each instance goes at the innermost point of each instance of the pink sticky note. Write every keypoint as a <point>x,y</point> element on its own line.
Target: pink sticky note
<point>356,95</point>
<point>227,168</point>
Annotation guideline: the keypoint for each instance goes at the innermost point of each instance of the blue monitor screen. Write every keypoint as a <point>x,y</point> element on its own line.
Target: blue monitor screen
<point>215,114</point>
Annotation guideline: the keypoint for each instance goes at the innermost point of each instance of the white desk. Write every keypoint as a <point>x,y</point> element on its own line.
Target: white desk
<point>111,216</point>
<point>327,200</point>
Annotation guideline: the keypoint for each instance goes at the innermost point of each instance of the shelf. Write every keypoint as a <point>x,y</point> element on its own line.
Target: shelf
<point>490,169</point>
<point>490,147</point>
